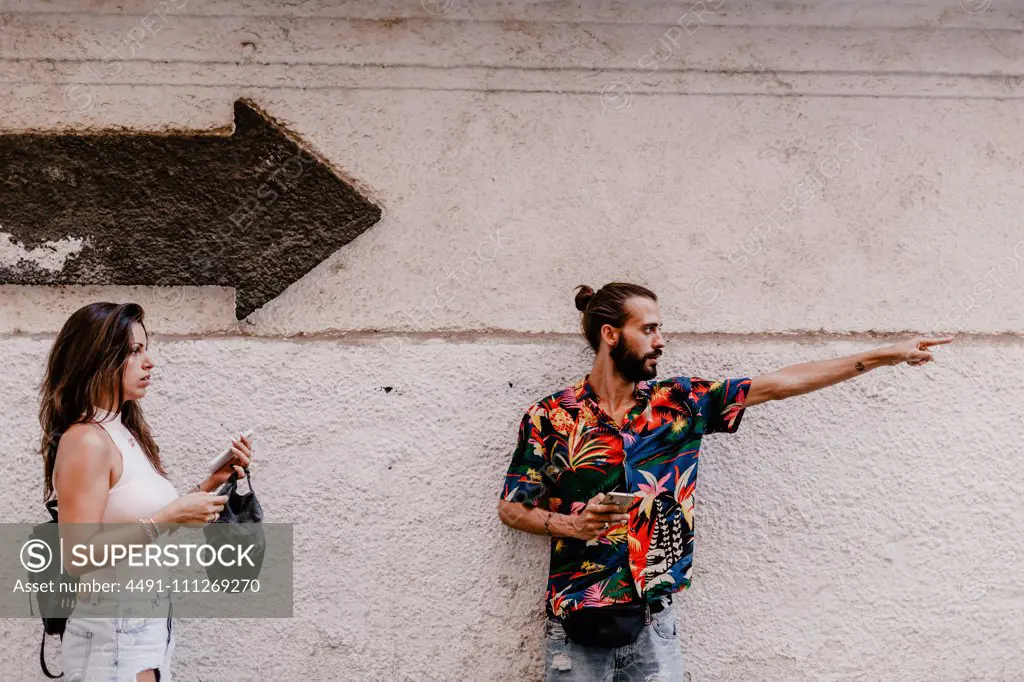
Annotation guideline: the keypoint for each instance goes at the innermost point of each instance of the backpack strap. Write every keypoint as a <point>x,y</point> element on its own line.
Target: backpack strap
<point>51,506</point>
<point>42,659</point>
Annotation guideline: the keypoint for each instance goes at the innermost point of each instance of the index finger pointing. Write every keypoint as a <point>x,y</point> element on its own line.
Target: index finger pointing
<point>936,342</point>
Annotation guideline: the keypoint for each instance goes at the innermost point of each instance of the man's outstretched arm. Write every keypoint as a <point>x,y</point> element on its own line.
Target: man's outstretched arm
<point>811,376</point>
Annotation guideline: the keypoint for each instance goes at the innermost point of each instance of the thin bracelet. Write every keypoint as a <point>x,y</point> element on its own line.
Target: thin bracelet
<point>546,522</point>
<point>150,533</point>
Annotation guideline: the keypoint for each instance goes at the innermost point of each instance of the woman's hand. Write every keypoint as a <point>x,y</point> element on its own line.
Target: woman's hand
<point>194,509</point>
<point>241,449</point>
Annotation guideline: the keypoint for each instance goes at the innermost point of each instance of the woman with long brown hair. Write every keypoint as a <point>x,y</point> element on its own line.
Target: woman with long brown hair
<point>103,465</point>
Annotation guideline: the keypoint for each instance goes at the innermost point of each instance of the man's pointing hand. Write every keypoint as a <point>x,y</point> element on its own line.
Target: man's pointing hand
<point>914,351</point>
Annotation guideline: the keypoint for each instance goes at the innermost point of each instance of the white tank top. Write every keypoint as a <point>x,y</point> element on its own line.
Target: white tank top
<point>141,490</point>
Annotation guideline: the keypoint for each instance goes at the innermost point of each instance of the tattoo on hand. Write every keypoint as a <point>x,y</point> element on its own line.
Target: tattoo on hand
<point>860,366</point>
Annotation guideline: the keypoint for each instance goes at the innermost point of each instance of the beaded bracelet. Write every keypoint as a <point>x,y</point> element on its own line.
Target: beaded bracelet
<point>547,530</point>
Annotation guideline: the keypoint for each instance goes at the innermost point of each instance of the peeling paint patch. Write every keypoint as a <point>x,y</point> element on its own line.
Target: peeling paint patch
<point>50,256</point>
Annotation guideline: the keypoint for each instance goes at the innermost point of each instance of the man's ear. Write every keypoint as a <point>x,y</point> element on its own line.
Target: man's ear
<point>610,334</point>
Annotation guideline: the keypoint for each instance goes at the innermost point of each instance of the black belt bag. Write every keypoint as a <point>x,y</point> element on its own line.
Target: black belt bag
<point>609,626</point>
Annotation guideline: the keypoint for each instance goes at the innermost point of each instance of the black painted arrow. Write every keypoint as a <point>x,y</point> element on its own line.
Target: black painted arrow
<point>253,211</point>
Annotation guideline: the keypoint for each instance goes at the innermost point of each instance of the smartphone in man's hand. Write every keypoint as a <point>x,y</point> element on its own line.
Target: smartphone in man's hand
<point>624,500</point>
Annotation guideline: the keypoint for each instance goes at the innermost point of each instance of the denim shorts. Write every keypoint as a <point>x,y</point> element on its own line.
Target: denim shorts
<point>656,655</point>
<point>102,649</point>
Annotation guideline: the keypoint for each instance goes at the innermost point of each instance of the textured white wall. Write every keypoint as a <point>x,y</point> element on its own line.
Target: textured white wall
<point>869,530</point>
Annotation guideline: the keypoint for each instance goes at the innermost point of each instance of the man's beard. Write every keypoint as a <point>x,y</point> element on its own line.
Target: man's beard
<point>630,364</point>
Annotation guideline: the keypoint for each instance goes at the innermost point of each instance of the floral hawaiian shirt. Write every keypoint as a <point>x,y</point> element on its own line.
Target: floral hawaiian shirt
<point>569,450</point>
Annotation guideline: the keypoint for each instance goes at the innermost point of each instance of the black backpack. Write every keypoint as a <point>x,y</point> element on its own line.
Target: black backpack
<point>54,607</point>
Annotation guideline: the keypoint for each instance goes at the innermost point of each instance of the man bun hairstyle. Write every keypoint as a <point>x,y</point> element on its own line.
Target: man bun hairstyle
<point>583,296</point>
<point>606,306</point>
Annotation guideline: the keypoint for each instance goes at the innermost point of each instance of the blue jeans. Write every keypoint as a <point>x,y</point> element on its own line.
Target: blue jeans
<point>655,656</point>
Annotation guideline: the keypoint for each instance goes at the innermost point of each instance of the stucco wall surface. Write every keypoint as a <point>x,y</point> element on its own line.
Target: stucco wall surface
<point>796,181</point>
<point>870,529</point>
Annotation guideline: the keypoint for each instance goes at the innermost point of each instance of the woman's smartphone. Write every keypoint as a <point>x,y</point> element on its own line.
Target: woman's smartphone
<point>620,499</point>
<point>225,457</point>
